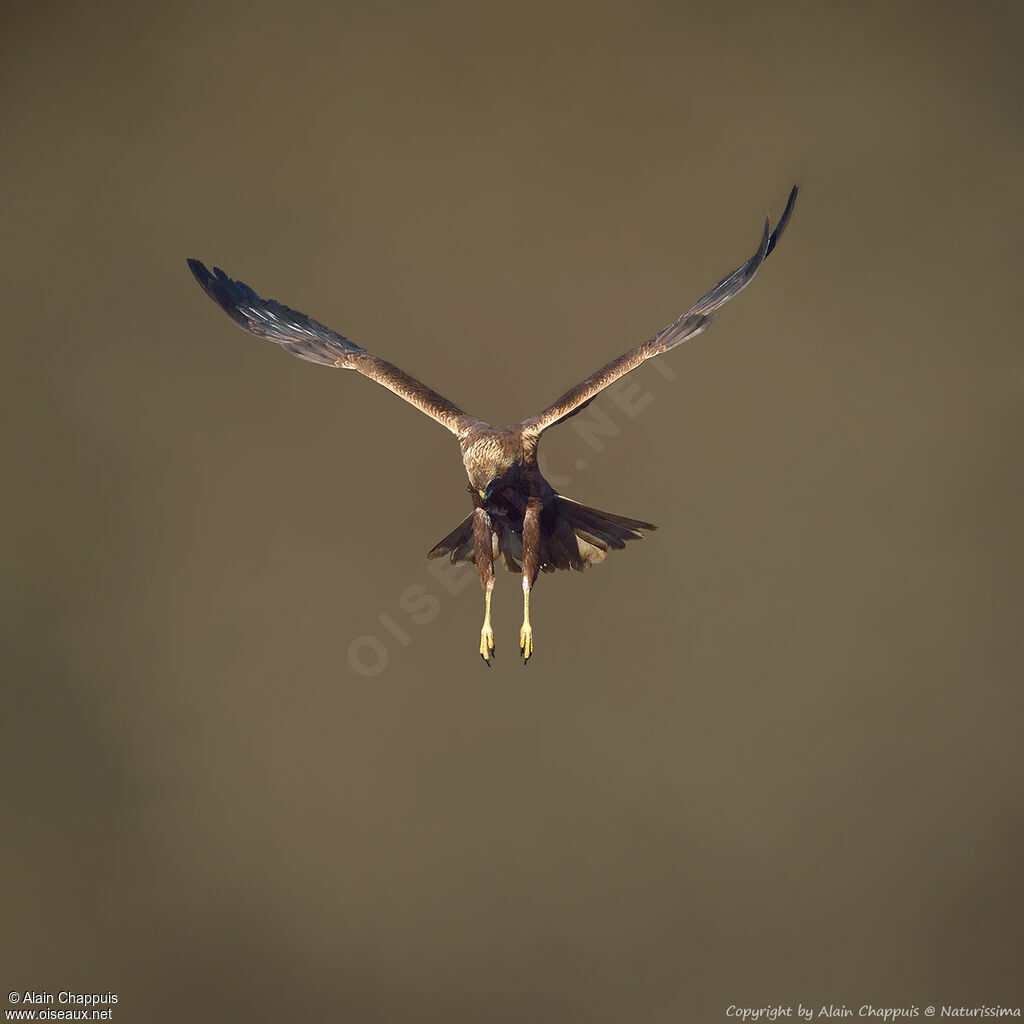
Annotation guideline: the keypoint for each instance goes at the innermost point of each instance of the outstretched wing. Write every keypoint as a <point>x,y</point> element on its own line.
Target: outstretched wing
<point>306,338</point>
<point>689,325</point>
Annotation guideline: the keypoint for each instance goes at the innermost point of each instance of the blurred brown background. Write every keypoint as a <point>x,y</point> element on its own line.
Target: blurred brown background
<point>771,754</point>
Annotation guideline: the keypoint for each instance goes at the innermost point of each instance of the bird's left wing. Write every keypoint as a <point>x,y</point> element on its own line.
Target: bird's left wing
<point>689,325</point>
<point>306,338</point>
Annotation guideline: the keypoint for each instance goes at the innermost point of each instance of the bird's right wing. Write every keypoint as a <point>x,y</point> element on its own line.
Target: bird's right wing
<point>306,338</point>
<point>689,325</point>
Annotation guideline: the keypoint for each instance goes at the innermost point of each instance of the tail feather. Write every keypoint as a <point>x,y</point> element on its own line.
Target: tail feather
<point>511,547</point>
<point>597,531</point>
<point>459,542</point>
<point>560,549</point>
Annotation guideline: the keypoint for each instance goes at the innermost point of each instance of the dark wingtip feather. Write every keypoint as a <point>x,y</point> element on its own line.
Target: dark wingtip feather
<point>735,282</point>
<point>200,273</point>
<point>294,331</point>
<point>783,220</point>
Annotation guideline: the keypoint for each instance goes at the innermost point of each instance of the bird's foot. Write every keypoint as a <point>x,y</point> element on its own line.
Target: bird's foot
<point>526,642</point>
<point>487,645</point>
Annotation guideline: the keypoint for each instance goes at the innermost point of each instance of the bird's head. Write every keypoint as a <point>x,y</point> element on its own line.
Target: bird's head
<point>484,483</point>
<point>490,476</point>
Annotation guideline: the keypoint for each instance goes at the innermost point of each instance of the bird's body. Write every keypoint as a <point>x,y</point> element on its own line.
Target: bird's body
<point>504,477</point>
<point>517,516</point>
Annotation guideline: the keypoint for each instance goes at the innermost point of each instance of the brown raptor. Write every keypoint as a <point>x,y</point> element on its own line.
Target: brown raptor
<point>517,516</point>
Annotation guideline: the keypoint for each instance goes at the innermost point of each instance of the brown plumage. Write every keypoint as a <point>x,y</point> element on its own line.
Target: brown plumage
<point>517,516</point>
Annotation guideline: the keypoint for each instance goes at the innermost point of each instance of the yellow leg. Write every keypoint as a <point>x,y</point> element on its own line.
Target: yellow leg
<point>526,633</point>
<point>487,634</point>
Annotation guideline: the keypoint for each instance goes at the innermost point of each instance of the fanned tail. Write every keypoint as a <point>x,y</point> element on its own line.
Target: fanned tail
<point>573,536</point>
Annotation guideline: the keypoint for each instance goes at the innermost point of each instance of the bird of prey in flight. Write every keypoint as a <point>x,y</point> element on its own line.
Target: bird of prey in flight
<point>517,516</point>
